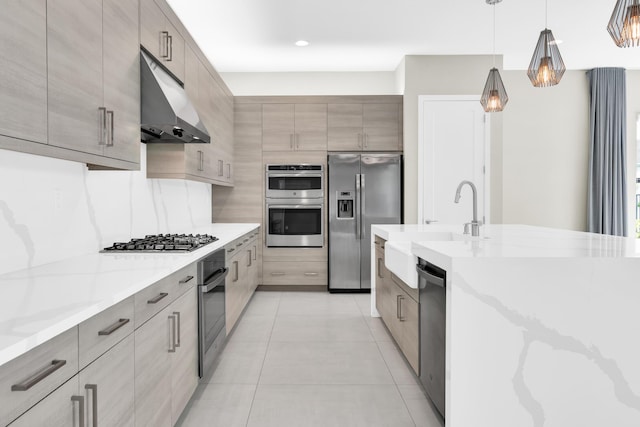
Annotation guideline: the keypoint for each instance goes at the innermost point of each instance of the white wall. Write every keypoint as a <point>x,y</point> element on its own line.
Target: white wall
<point>309,83</point>
<point>445,75</point>
<point>54,209</point>
<point>546,151</point>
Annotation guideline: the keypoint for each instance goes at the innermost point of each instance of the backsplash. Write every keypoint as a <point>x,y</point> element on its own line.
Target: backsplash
<point>54,209</point>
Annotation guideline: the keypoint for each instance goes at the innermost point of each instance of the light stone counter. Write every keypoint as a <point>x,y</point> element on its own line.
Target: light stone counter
<point>543,326</point>
<point>39,303</point>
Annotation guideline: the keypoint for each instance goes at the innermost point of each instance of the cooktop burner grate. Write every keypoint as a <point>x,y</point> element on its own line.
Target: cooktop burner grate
<point>163,243</point>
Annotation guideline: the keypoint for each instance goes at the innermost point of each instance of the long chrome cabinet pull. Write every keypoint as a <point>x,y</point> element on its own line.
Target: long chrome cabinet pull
<point>229,170</point>
<point>110,128</point>
<point>102,125</point>
<point>291,141</point>
<point>94,402</point>
<point>255,252</point>
<point>170,48</point>
<point>80,400</point>
<point>359,140</point>
<point>220,168</point>
<point>177,337</point>
<point>185,280</point>
<point>277,273</point>
<point>236,268</point>
<point>39,376</point>
<point>366,140</point>
<point>297,141</point>
<point>400,316</point>
<point>311,274</point>
<point>111,329</point>
<point>249,259</point>
<point>380,269</point>
<point>164,44</point>
<point>157,299</point>
<point>172,338</point>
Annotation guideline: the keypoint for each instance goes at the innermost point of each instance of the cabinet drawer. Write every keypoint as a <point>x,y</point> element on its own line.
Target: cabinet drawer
<point>294,273</point>
<point>24,381</point>
<point>154,298</point>
<point>104,330</point>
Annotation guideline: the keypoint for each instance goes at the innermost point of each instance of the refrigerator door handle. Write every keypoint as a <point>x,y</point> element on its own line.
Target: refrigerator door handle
<point>357,208</point>
<point>362,205</point>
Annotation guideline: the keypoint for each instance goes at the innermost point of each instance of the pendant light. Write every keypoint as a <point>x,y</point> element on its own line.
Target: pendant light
<point>494,96</point>
<point>546,67</point>
<point>624,25</point>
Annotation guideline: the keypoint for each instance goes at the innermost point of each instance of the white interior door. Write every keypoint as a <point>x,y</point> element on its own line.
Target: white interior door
<point>453,147</point>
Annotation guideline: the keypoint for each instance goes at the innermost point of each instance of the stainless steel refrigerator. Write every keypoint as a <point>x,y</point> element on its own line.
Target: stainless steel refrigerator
<point>364,189</point>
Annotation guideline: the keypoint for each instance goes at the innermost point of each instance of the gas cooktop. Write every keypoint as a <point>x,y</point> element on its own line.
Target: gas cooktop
<point>163,243</point>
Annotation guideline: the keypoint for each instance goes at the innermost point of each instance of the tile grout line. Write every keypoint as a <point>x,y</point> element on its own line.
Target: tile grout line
<point>255,391</point>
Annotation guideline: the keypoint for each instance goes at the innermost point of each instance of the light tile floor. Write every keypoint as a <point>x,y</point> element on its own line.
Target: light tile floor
<point>310,359</point>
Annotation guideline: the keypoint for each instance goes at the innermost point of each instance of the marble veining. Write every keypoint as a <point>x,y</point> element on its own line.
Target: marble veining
<point>541,324</point>
<point>21,230</point>
<point>53,209</point>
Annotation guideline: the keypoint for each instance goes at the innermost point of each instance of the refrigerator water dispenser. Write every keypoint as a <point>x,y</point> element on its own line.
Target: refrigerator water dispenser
<point>345,204</point>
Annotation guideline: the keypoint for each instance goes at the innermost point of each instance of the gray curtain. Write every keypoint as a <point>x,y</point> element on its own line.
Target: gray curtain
<point>607,203</point>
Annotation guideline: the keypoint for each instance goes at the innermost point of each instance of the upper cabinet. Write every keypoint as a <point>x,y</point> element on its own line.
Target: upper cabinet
<point>23,76</point>
<point>293,127</point>
<point>161,38</point>
<point>374,126</point>
<point>94,79</point>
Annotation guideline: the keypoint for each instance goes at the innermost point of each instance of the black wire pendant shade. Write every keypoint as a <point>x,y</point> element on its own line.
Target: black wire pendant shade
<point>494,96</point>
<point>624,25</point>
<point>546,67</point>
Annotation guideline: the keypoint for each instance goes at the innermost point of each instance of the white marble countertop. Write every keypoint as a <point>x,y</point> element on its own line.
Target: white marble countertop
<point>41,302</point>
<point>542,324</point>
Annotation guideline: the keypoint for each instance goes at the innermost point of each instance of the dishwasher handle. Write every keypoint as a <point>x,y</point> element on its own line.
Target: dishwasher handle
<point>430,277</point>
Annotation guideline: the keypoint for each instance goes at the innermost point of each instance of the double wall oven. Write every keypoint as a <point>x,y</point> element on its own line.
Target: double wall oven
<point>295,205</point>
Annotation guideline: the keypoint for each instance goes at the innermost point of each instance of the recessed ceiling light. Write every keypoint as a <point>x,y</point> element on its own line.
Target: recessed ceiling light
<point>302,43</point>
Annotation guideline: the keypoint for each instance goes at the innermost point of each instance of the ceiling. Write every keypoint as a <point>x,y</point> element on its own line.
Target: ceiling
<point>374,35</point>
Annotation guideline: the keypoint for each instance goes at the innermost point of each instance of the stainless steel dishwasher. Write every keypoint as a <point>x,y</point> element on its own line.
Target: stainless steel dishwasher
<point>433,311</point>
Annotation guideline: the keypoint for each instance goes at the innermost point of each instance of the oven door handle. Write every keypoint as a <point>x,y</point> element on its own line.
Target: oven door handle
<point>294,206</point>
<point>214,282</point>
<point>294,175</point>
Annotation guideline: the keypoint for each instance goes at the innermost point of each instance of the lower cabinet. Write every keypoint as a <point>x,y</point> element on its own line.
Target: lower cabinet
<point>57,409</point>
<point>398,306</point>
<point>107,385</point>
<point>143,377</point>
<point>163,345</point>
<point>242,262</point>
<point>101,394</point>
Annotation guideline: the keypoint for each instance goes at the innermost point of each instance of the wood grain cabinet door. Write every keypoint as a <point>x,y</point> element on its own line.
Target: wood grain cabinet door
<point>75,94</point>
<point>121,65</point>
<point>310,127</point>
<point>152,371</point>
<point>23,70</point>
<point>184,361</point>
<point>381,127</point>
<point>278,127</point>
<point>161,38</point>
<point>344,127</point>
<point>108,386</point>
<point>55,410</point>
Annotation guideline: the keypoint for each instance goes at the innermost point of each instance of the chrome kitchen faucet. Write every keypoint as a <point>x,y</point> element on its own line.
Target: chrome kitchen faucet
<point>475,224</point>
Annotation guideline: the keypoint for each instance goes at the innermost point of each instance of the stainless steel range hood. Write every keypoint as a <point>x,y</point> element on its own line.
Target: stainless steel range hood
<point>166,113</point>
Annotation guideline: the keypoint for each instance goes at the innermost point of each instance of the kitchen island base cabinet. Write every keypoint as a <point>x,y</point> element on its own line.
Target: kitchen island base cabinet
<point>242,280</point>
<point>398,306</point>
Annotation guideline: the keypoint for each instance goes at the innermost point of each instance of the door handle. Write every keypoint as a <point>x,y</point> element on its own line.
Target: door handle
<point>380,269</point>
<point>172,338</point>
<point>357,208</point>
<point>235,263</point>
<point>164,44</point>
<point>169,48</point>
<point>102,125</point>
<point>362,206</point>
<point>220,168</point>
<point>399,299</point>
<point>359,140</point>
<point>185,280</point>
<point>110,128</point>
<point>249,260</point>
<point>80,400</point>
<point>94,402</point>
<point>157,298</point>
<point>177,337</point>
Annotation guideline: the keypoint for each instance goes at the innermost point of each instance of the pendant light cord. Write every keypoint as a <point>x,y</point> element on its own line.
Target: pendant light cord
<point>494,35</point>
<point>546,13</point>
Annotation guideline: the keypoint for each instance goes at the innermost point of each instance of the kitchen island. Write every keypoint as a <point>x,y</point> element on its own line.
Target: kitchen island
<point>542,324</point>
